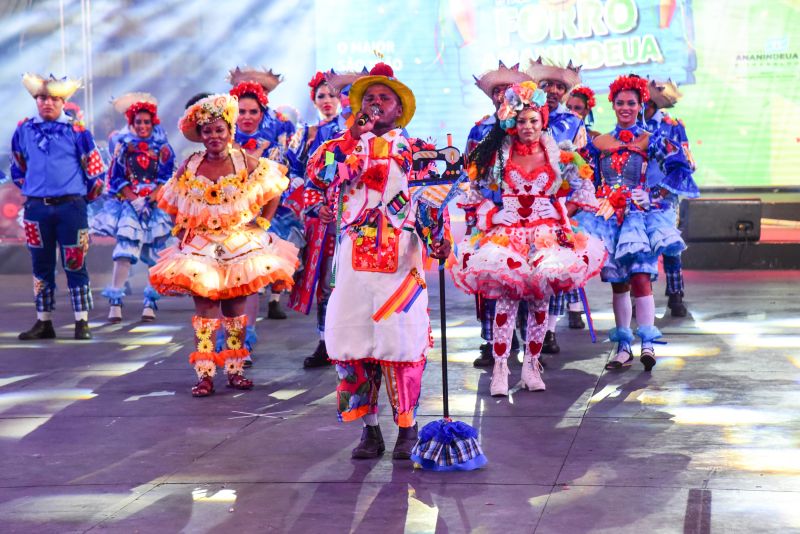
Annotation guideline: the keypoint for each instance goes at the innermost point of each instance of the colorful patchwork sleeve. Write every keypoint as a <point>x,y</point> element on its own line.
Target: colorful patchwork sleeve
<point>323,165</point>
<point>672,170</point>
<point>92,163</point>
<point>166,163</point>
<point>19,165</point>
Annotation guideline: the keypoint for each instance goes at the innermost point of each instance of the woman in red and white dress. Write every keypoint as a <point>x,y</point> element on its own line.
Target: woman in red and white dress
<point>526,250</point>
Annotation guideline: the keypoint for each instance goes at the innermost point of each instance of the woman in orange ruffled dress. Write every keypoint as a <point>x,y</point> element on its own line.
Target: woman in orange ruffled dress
<point>222,256</point>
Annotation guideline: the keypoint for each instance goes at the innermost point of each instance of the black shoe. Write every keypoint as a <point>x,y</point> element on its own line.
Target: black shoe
<point>514,344</point>
<point>371,445</point>
<point>550,344</point>
<point>648,359</point>
<point>274,311</point>
<point>576,321</point>
<point>486,359</point>
<point>39,330</point>
<point>319,358</point>
<point>676,306</point>
<point>82,330</point>
<point>406,439</point>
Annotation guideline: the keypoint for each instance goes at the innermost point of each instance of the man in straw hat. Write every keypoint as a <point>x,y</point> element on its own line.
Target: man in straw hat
<point>57,166</point>
<point>557,81</point>
<point>377,322</point>
<point>494,84</point>
<point>664,95</point>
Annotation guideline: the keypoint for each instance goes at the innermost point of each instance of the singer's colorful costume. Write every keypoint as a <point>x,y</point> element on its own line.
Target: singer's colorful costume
<point>377,318</point>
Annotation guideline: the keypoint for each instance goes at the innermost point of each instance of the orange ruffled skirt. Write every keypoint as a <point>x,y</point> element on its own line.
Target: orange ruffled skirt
<point>225,265</point>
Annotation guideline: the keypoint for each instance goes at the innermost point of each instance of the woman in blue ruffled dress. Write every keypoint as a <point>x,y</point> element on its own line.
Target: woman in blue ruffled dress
<point>141,164</point>
<point>633,169</point>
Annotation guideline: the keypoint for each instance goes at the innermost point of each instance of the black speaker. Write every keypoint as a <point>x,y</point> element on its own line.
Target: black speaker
<point>720,219</point>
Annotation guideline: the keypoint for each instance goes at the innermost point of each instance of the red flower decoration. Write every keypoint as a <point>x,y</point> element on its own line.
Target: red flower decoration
<point>251,88</point>
<point>315,82</point>
<point>375,177</point>
<point>625,136</point>
<point>631,82</point>
<point>587,93</point>
<point>382,69</point>
<point>131,112</point>
<point>251,144</point>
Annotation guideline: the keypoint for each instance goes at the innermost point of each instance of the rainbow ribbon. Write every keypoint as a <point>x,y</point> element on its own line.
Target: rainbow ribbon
<point>403,298</point>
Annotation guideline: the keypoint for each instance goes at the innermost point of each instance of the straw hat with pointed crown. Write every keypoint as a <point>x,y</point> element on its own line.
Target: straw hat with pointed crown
<point>502,75</point>
<point>58,87</point>
<point>664,94</point>
<point>383,74</point>
<point>543,70</point>
<point>265,78</point>
<point>340,80</point>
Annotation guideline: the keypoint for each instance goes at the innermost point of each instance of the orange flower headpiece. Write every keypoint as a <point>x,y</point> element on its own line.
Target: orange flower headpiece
<point>251,88</point>
<point>586,93</point>
<point>516,98</point>
<point>135,108</point>
<point>208,110</point>
<point>630,82</point>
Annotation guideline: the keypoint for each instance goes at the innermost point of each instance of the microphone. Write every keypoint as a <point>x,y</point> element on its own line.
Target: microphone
<point>364,118</point>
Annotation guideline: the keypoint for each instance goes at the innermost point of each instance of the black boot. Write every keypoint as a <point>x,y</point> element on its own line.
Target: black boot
<point>82,330</point>
<point>514,344</point>
<point>486,359</point>
<point>406,439</point>
<point>676,306</point>
<point>575,320</point>
<point>371,445</point>
<point>39,330</point>
<point>550,344</point>
<point>274,311</point>
<point>319,358</point>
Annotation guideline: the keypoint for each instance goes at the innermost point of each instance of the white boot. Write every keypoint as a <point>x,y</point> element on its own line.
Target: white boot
<point>148,314</point>
<point>499,384</point>
<point>532,374</point>
<point>114,314</point>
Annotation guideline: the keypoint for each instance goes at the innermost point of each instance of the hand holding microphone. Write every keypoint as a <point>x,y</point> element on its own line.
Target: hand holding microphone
<point>365,122</point>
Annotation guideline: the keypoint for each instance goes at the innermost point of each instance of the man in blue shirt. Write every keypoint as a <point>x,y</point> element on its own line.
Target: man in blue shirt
<point>58,168</point>
<point>665,95</point>
<point>557,81</point>
<point>494,84</point>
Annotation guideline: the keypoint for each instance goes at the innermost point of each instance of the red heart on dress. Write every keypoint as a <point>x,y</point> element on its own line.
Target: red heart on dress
<point>524,212</point>
<point>526,200</point>
<point>528,188</point>
<point>513,264</point>
<point>500,319</point>
<point>534,347</point>
<point>499,348</point>
<point>465,260</point>
<point>540,317</point>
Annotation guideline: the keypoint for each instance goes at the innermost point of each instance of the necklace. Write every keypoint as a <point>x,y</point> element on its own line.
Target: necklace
<point>523,149</point>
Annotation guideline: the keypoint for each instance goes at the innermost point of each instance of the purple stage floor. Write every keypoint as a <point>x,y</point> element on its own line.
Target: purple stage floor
<point>103,436</point>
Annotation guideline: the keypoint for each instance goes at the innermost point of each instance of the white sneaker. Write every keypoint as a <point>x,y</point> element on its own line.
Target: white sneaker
<point>499,384</point>
<point>532,374</point>
<point>148,314</point>
<point>114,314</point>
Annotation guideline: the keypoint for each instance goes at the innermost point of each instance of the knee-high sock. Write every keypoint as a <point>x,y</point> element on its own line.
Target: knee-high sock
<point>551,323</point>
<point>504,318</point>
<point>122,268</point>
<point>622,309</point>
<point>536,327</point>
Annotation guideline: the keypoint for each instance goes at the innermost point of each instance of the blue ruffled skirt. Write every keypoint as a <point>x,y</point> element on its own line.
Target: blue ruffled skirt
<point>138,237</point>
<point>635,245</point>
